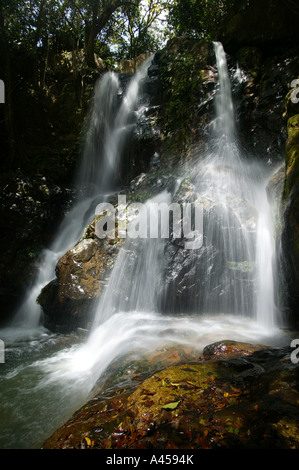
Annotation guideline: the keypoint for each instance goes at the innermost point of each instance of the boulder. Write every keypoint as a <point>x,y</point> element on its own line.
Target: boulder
<point>226,348</point>
<point>81,274</point>
<point>248,401</point>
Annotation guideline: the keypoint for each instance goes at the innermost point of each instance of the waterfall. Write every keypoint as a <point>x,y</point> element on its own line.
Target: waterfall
<point>111,122</point>
<point>238,227</point>
<point>224,103</point>
<point>138,273</point>
<point>112,119</point>
<point>241,225</point>
<point>127,316</point>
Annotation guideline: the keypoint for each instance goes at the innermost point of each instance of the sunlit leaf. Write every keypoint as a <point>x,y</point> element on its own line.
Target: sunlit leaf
<point>172,406</point>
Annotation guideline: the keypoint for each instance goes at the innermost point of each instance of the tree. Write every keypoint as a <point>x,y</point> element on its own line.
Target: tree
<point>140,29</point>
<point>199,18</point>
<point>95,15</point>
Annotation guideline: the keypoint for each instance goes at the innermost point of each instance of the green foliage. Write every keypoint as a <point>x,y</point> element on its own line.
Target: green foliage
<point>136,29</point>
<point>181,77</point>
<point>48,61</point>
<point>200,18</point>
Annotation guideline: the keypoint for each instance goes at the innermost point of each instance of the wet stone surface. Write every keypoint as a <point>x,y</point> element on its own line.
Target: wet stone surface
<point>234,395</point>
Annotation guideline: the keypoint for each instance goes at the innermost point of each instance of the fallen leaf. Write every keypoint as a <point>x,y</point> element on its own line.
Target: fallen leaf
<point>172,406</point>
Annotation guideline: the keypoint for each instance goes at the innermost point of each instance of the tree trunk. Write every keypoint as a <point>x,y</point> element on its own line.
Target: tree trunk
<point>100,18</point>
<point>89,44</point>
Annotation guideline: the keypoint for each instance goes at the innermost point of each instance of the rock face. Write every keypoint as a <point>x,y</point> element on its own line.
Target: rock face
<point>244,397</point>
<point>289,256</point>
<point>80,277</point>
<point>260,99</point>
<point>130,66</point>
<point>187,73</point>
<point>260,23</point>
<point>30,209</point>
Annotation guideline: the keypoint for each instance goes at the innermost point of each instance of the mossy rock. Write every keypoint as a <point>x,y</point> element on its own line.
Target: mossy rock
<point>246,400</point>
<point>292,153</point>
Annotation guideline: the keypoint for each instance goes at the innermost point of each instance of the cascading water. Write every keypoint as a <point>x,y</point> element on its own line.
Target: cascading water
<point>238,227</point>
<point>110,123</point>
<point>237,230</point>
<point>127,317</point>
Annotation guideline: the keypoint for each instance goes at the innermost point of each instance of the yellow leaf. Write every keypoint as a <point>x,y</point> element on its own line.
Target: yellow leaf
<point>226,394</point>
<point>172,406</point>
<point>88,441</point>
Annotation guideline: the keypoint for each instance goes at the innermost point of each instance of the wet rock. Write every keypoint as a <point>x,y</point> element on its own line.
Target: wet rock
<point>289,256</point>
<point>130,66</point>
<point>246,402</point>
<point>261,92</point>
<point>201,279</point>
<point>30,210</point>
<point>187,74</point>
<point>224,349</point>
<point>81,275</point>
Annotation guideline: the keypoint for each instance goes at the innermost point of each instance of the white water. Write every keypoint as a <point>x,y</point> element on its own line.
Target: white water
<point>234,186</point>
<point>109,126</point>
<point>41,391</point>
<point>137,275</point>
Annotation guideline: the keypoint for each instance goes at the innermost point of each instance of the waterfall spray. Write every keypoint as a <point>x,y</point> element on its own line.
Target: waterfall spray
<point>112,120</point>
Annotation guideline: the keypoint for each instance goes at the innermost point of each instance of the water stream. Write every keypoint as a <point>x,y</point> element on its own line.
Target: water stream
<point>47,377</point>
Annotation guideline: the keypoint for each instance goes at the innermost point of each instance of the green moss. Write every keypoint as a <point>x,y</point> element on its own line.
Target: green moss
<point>182,77</point>
<point>292,154</point>
<point>243,266</point>
<point>293,124</point>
